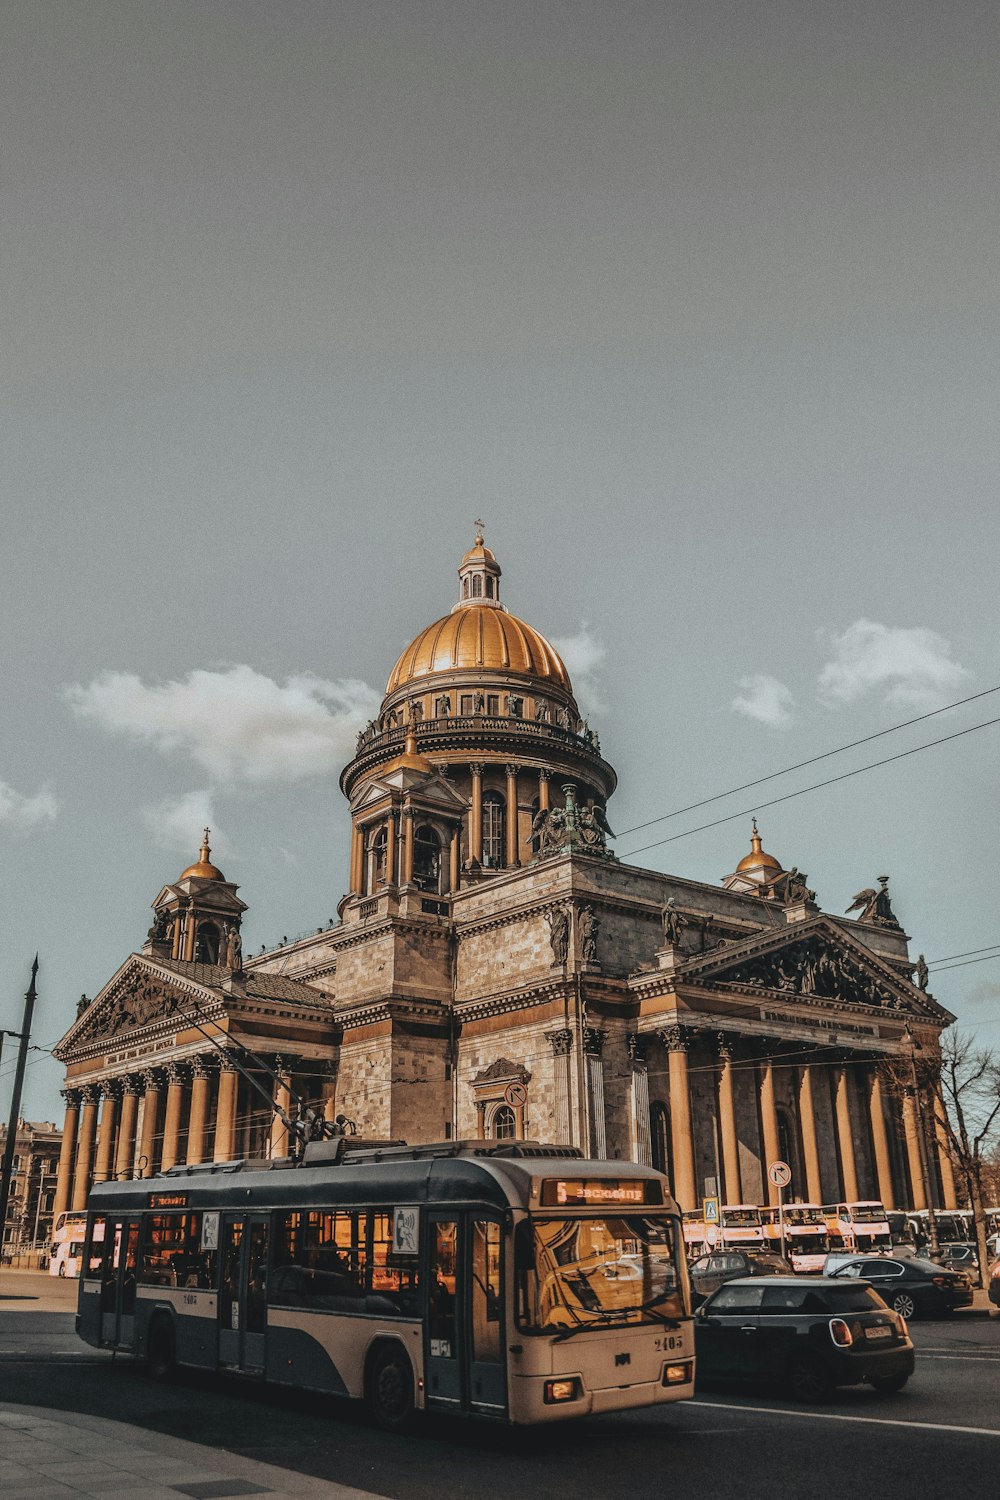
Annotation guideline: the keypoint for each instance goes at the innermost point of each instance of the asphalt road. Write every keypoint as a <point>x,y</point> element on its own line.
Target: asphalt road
<point>938,1438</point>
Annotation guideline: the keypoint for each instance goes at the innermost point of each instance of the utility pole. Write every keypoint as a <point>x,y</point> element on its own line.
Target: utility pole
<point>15,1098</point>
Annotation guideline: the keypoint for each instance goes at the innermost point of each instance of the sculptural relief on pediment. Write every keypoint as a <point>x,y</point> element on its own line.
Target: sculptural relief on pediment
<point>812,967</point>
<point>137,1000</point>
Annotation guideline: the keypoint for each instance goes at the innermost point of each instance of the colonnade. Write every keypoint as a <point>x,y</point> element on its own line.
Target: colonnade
<point>398,825</point>
<point>678,1039</point>
<point>178,1113</point>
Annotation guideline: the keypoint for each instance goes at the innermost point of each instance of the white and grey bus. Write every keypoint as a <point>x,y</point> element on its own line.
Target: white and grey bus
<point>513,1281</point>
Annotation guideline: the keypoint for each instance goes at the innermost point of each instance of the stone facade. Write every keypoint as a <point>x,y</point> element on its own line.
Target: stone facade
<point>496,972</point>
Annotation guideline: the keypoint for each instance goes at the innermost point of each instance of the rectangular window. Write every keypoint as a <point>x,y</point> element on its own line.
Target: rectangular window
<point>341,1261</point>
<point>173,1255</point>
<point>95,1248</point>
<point>493,704</point>
<point>466,705</point>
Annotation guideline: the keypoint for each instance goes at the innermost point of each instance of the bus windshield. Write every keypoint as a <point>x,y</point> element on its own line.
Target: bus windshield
<point>741,1218</point>
<point>589,1272</point>
<point>868,1213</point>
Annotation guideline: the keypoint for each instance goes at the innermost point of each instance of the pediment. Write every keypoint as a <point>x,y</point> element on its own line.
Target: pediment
<point>428,791</point>
<point>139,995</point>
<point>814,960</point>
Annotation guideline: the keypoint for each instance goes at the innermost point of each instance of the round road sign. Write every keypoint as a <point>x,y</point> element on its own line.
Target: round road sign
<point>516,1095</point>
<point>780,1173</point>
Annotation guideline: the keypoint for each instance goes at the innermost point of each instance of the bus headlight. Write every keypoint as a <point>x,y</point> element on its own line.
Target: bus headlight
<point>561,1390</point>
<point>676,1374</point>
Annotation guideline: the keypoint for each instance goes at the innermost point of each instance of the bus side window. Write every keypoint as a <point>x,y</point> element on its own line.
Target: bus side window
<point>95,1248</point>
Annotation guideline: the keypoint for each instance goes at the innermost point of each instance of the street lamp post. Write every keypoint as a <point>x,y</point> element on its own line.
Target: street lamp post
<point>932,1233</point>
<point>38,1204</point>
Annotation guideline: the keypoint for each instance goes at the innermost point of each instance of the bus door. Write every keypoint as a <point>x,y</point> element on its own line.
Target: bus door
<point>118,1275</point>
<point>465,1322</point>
<point>243,1291</point>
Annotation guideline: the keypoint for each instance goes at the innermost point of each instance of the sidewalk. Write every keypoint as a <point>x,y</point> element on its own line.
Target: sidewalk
<point>45,1455</point>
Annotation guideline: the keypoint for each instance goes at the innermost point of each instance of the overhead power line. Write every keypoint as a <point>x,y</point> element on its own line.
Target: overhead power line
<point>932,963</point>
<point>965,963</point>
<point>800,765</point>
<point>815,787</point>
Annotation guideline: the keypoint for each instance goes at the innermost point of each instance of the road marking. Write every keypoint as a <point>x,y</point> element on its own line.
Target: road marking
<point>983,1359</point>
<point>830,1416</point>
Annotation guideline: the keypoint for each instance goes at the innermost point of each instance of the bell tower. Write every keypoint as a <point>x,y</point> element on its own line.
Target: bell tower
<point>198,918</point>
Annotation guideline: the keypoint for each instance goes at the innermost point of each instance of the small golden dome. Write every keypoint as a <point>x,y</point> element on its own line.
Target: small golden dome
<point>204,869</point>
<point>411,759</point>
<point>478,636</point>
<point>757,861</point>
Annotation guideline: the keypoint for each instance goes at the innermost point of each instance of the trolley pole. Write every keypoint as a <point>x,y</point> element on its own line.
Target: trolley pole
<point>15,1099</point>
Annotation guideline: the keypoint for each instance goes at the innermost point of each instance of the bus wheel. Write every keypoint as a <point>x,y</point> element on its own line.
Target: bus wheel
<point>161,1356</point>
<point>389,1388</point>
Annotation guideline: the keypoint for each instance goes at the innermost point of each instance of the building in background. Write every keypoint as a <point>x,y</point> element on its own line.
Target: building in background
<point>33,1186</point>
<point>497,972</point>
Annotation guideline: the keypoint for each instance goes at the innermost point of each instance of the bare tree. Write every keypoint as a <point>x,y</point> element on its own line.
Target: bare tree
<point>966,1093</point>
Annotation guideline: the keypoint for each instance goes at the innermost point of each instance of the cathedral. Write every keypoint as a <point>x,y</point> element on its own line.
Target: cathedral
<point>496,972</point>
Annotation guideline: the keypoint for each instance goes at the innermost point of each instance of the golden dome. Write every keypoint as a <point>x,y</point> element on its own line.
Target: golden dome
<point>757,861</point>
<point>204,869</point>
<point>479,636</point>
<point>480,554</point>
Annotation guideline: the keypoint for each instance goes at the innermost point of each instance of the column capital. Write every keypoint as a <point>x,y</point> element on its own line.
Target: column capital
<point>675,1038</point>
<point>131,1083</point>
<point>635,1047</point>
<point>593,1041</point>
<point>90,1093</point>
<point>284,1062</point>
<point>512,768</point>
<point>725,1046</point>
<point>200,1067</point>
<point>111,1088</point>
<point>72,1097</point>
<point>561,1042</point>
<point>176,1073</point>
<point>227,1063</point>
<point>152,1079</point>
<point>477,767</point>
<point>544,774</point>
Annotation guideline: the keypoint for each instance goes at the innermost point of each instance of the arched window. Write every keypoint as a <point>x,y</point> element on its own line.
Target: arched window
<point>206,948</point>
<point>503,1126</point>
<point>380,845</point>
<point>659,1138</point>
<point>465,588</point>
<point>477,586</point>
<point>489,588</point>
<point>426,859</point>
<point>494,831</point>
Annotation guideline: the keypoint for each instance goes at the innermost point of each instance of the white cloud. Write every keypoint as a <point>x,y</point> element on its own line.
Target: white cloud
<point>238,725</point>
<point>177,823</point>
<point>583,655</point>
<point>910,669</point>
<point>765,699</point>
<point>20,814</point>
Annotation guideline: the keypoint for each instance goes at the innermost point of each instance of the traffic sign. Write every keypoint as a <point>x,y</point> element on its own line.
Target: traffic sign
<point>516,1095</point>
<point>710,1210</point>
<point>780,1173</point>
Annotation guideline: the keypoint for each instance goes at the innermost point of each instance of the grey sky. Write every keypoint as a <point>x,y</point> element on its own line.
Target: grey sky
<point>696,304</point>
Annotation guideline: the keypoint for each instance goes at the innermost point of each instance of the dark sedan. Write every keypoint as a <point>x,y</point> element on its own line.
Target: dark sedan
<point>808,1335</point>
<point>911,1286</point>
<point>709,1272</point>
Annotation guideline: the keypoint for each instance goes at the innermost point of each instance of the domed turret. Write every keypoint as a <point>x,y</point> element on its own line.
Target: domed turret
<point>758,865</point>
<point>204,869</point>
<point>482,698</point>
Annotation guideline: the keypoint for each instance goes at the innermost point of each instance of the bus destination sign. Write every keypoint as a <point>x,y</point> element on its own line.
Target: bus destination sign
<point>592,1192</point>
<point>166,1200</point>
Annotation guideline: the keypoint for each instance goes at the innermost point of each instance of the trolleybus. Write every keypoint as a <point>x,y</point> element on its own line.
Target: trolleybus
<point>512,1281</point>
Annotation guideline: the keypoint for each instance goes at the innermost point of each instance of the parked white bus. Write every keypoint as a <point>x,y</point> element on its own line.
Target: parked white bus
<point>511,1280</point>
<point>862,1225</point>
<point>66,1250</point>
<point>741,1225</point>
<point>807,1238</point>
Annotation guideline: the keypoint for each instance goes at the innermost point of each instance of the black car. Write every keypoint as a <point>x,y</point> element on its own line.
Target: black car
<point>709,1272</point>
<point>809,1335</point>
<point>960,1255</point>
<point>912,1286</point>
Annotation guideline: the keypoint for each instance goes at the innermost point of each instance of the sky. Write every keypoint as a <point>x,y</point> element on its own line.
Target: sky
<point>695,304</point>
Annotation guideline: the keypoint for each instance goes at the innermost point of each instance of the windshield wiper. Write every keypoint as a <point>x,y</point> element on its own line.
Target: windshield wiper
<point>612,1315</point>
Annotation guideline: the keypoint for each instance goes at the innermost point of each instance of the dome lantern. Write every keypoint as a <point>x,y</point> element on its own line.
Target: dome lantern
<point>479,573</point>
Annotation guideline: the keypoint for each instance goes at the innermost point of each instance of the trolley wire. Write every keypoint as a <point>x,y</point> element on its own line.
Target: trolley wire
<point>814,787</point>
<point>813,760</point>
